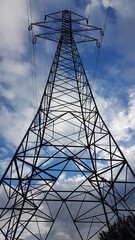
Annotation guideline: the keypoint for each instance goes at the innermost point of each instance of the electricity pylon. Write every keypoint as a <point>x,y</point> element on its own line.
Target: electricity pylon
<point>68,178</point>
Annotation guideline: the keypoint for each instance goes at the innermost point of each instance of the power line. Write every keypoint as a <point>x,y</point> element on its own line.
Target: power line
<point>99,44</point>
<point>32,55</point>
<point>89,10</point>
<point>34,74</point>
<point>31,58</point>
<point>45,10</point>
<point>94,195</point>
<point>44,6</point>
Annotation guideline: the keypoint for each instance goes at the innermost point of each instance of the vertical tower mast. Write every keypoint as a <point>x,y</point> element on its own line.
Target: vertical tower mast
<point>68,178</point>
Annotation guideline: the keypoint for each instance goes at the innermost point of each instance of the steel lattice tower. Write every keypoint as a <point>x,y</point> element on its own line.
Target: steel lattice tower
<point>78,180</point>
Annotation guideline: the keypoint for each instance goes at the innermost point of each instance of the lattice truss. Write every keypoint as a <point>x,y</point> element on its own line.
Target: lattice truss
<point>68,178</point>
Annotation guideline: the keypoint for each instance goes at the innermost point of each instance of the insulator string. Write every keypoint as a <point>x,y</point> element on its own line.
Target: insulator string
<point>100,44</point>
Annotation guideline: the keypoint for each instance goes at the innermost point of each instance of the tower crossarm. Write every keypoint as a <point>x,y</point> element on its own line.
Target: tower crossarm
<point>53,24</point>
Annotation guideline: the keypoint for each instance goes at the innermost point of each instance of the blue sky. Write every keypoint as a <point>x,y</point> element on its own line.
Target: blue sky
<point>114,85</point>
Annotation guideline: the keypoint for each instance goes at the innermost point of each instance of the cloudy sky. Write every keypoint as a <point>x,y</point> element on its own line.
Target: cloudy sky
<point>113,86</point>
<point>24,71</point>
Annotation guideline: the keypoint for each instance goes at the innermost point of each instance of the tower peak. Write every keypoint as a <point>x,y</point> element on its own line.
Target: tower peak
<point>54,24</point>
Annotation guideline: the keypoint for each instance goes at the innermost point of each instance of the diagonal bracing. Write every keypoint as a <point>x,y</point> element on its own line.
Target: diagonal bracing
<point>68,177</point>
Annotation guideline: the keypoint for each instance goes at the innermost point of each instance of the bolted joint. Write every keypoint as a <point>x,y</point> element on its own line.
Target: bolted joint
<point>45,17</point>
<point>98,44</point>
<point>101,32</point>
<point>34,40</point>
<point>30,27</point>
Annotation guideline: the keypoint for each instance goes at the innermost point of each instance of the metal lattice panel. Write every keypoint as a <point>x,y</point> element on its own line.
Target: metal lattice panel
<point>78,181</point>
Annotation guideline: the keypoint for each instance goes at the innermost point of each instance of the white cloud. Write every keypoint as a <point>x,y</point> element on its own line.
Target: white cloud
<point>12,24</point>
<point>15,67</point>
<point>4,164</point>
<point>120,24</point>
<point>63,223</point>
<point>16,124</point>
<point>124,8</point>
<point>119,119</point>
<point>15,72</point>
<point>123,123</point>
<point>129,153</point>
<point>107,3</point>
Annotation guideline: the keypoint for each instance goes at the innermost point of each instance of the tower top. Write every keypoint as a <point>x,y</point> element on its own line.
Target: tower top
<point>54,24</point>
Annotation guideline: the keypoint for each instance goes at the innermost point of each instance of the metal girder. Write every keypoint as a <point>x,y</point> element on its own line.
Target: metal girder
<point>68,176</point>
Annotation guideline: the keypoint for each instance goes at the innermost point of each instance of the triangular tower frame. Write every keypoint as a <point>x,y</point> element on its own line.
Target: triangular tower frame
<point>68,167</point>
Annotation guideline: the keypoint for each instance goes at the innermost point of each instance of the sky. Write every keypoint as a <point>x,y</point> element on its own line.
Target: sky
<point>113,85</point>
